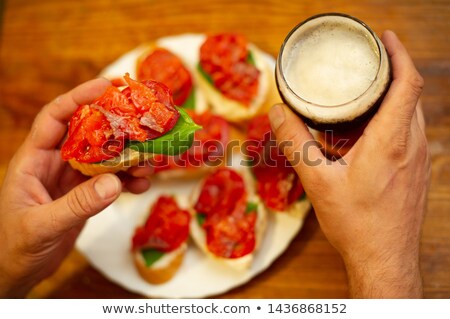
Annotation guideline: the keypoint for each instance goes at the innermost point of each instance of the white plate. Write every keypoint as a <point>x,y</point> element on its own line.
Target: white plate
<point>106,238</point>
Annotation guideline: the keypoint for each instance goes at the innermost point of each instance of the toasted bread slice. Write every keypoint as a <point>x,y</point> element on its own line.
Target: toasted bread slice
<point>128,158</point>
<point>235,111</point>
<point>163,269</point>
<point>198,234</point>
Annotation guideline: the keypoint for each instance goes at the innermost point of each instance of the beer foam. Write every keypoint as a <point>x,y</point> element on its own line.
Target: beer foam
<point>330,61</point>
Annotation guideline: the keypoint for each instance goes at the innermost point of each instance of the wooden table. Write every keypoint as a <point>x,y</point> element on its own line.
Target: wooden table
<point>48,47</point>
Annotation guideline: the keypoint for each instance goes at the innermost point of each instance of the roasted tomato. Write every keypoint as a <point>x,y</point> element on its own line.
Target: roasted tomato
<point>140,112</point>
<point>154,105</point>
<point>163,66</point>
<point>208,148</point>
<point>232,235</point>
<point>229,226</point>
<point>277,182</point>
<point>222,51</point>
<point>166,228</point>
<point>225,58</point>
<point>259,133</point>
<point>91,137</point>
<point>278,186</point>
<point>220,192</point>
<point>121,114</point>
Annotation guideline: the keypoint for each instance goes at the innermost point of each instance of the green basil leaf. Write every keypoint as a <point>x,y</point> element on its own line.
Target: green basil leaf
<point>189,104</point>
<point>151,255</point>
<point>177,141</point>
<point>204,74</point>
<point>200,218</point>
<point>251,207</point>
<point>251,58</point>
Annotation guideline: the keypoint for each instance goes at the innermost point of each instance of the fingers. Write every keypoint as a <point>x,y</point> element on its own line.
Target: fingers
<point>400,102</point>
<point>50,125</point>
<point>133,182</point>
<point>82,202</point>
<point>141,171</point>
<point>137,185</point>
<point>294,138</point>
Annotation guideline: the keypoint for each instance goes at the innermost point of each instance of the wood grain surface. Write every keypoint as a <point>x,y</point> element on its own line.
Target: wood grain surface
<point>50,46</point>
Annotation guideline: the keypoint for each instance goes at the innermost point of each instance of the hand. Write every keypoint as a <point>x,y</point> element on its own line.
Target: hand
<point>44,202</point>
<point>370,204</point>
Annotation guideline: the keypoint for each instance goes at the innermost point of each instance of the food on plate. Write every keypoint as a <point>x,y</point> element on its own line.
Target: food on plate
<point>158,247</point>
<point>208,151</point>
<point>277,183</point>
<point>229,219</point>
<point>234,76</point>
<point>232,235</point>
<point>161,65</point>
<point>124,127</point>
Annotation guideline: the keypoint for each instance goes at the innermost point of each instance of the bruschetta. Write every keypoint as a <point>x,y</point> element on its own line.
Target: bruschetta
<point>158,247</point>
<point>235,77</point>
<point>229,219</point>
<point>276,181</point>
<point>126,126</point>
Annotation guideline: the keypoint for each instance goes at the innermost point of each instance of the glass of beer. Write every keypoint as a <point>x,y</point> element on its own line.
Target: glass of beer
<point>333,71</point>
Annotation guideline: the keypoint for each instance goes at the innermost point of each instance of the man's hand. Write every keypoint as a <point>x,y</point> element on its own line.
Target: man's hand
<point>370,205</point>
<point>44,202</point>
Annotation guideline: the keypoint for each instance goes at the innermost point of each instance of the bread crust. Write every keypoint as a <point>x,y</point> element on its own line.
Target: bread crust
<point>128,158</point>
<point>156,274</point>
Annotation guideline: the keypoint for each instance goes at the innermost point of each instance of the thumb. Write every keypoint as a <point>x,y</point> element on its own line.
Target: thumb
<point>84,201</point>
<point>294,139</point>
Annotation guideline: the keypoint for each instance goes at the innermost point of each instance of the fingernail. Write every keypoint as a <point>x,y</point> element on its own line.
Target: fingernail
<point>277,116</point>
<point>107,186</point>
